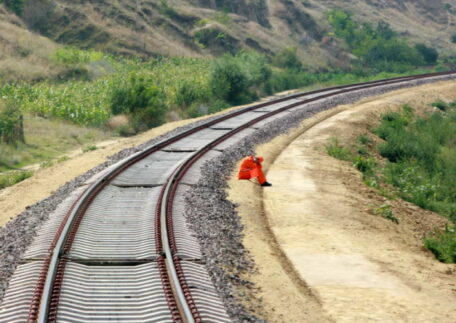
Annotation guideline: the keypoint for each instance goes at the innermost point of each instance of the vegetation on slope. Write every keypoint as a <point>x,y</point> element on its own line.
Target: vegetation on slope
<point>379,47</point>
<point>418,165</point>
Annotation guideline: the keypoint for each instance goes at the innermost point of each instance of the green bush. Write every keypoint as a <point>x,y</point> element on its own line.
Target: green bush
<point>430,55</point>
<point>140,99</point>
<point>336,150</point>
<point>385,211</point>
<point>443,106</point>
<point>16,6</point>
<point>379,48</point>
<point>422,158</point>
<point>365,165</point>
<point>443,244</point>
<point>364,139</point>
<point>453,38</point>
<point>288,58</point>
<point>13,177</point>
<point>11,124</point>
<point>227,80</point>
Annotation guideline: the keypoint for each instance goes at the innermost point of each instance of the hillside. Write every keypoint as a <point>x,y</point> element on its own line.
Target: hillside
<point>208,27</point>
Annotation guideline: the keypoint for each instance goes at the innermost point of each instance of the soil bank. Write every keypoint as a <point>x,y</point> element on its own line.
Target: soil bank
<point>321,254</point>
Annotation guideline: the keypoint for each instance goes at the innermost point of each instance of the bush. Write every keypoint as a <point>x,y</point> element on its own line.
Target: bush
<point>288,58</point>
<point>365,165</point>
<point>336,150</point>
<point>13,177</point>
<point>429,54</point>
<point>453,38</point>
<point>227,80</point>
<point>11,124</point>
<point>141,100</point>
<point>16,6</point>
<point>385,211</point>
<point>442,106</point>
<point>379,47</point>
<point>443,244</point>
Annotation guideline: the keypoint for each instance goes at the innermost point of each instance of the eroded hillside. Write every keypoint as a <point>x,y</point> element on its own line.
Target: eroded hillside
<point>205,27</point>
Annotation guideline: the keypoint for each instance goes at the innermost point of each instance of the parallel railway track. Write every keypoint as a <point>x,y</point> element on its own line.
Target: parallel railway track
<point>119,248</point>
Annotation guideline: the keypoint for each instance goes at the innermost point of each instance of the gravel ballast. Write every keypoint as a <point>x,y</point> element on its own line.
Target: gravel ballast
<point>213,218</point>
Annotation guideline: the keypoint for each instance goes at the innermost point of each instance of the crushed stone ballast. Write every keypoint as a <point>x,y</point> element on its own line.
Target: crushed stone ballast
<point>148,235</point>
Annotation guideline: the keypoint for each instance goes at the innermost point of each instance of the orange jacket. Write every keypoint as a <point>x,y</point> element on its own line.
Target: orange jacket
<point>251,168</point>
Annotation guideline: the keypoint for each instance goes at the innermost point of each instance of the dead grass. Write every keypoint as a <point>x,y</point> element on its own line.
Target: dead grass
<point>23,54</point>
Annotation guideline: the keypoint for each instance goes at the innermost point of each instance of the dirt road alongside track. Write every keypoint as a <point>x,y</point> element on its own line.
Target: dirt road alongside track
<point>321,255</point>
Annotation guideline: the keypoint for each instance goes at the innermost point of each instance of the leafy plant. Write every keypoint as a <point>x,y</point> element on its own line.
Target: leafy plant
<point>89,148</point>
<point>13,177</point>
<point>288,58</point>
<point>443,244</point>
<point>138,97</point>
<point>386,212</point>
<point>443,106</point>
<point>16,6</point>
<point>336,150</point>
<point>11,124</point>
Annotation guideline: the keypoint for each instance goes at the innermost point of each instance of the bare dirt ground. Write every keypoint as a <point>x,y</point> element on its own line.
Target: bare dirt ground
<point>321,254</point>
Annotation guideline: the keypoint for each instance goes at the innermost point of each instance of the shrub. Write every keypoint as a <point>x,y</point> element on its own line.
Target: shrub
<point>364,139</point>
<point>336,150</point>
<point>141,100</point>
<point>453,38</point>
<point>288,58</point>
<point>16,6</point>
<point>227,79</point>
<point>429,54</point>
<point>11,124</point>
<point>385,211</point>
<point>440,105</point>
<point>166,10</point>
<point>443,244</point>
<point>13,177</point>
<point>365,165</point>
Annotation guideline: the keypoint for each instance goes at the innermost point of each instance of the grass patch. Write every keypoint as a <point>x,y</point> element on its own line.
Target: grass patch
<point>386,212</point>
<point>419,166</point>
<point>443,244</point>
<point>13,177</point>
<point>89,148</point>
<point>336,150</point>
<point>47,140</point>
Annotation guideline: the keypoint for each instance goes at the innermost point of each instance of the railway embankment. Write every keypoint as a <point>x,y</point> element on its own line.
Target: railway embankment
<point>313,234</point>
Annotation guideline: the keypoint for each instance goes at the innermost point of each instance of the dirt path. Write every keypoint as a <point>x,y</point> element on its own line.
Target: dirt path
<point>321,254</point>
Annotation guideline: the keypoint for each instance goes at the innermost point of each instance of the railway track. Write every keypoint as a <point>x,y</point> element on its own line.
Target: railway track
<point>119,248</point>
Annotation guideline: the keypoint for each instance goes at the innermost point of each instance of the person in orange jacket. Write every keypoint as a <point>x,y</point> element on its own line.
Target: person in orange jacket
<point>251,168</point>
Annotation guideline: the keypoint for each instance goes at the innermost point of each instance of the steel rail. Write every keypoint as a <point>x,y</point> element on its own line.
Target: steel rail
<point>46,292</point>
<point>170,189</point>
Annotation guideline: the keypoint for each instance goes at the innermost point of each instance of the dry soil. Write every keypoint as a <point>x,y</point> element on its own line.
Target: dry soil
<point>321,254</point>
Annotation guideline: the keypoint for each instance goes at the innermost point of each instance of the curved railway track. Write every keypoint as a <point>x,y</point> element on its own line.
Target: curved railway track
<point>119,249</point>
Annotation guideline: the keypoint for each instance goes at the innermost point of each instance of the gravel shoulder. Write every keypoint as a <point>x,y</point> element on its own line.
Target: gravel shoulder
<point>320,254</point>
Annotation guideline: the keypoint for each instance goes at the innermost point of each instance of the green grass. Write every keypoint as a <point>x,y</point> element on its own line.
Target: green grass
<point>13,177</point>
<point>420,167</point>
<point>386,212</point>
<point>46,140</point>
<point>443,244</point>
<point>336,150</point>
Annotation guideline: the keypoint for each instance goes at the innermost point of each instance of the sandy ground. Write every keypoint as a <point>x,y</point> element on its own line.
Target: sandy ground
<point>321,254</point>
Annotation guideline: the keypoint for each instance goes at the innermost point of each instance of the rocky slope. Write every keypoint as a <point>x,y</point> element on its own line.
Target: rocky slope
<point>207,27</point>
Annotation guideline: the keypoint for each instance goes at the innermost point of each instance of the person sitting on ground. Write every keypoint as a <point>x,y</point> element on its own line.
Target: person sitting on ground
<point>251,168</point>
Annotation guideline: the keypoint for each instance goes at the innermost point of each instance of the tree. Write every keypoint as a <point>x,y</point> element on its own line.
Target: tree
<point>15,6</point>
<point>288,58</point>
<point>11,124</point>
<point>429,54</point>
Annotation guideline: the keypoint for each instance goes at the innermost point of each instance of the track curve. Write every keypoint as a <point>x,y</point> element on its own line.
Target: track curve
<point>119,248</point>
